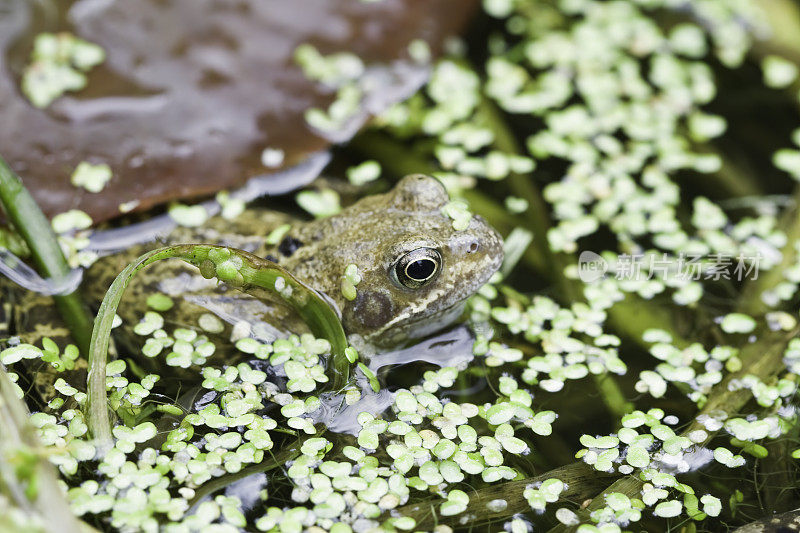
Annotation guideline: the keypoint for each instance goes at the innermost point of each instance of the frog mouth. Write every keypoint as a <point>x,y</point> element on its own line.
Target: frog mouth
<point>421,326</point>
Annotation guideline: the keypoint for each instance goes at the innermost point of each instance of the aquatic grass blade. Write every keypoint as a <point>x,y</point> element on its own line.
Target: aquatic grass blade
<point>29,221</point>
<point>242,270</point>
<point>27,478</point>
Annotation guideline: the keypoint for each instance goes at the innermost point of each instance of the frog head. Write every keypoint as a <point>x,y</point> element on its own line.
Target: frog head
<point>416,268</point>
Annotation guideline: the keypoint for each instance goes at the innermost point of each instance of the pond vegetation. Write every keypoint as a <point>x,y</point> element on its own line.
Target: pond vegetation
<point>632,366</point>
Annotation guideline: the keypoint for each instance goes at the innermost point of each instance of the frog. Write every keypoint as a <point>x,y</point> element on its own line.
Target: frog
<point>416,269</point>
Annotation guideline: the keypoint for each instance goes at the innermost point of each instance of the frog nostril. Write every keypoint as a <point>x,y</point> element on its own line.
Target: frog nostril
<point>473,247</point>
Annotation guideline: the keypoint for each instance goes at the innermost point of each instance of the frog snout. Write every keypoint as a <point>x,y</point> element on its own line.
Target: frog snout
<point>487,239</point>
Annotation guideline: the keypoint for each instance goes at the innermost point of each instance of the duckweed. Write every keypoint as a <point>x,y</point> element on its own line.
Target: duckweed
<point>618,130</point>
<point>91,177</point>
<point>58,64</point>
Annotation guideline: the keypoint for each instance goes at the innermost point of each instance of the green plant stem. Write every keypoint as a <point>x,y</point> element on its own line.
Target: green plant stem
<point>539,222</point>
<point>763,358</point>
<point>35,229</point>
<point>778,472</point>
<point>286,454</point>
<point>731,180</point>
<point>581,482</point>
<point>536,215</point>
<point>632,316</point>
<point>253,275</point>
<point>40,494</point>
<point>783,18</point>
<point>629,486</point>
<point>612,395</point>
<point>751,302</point>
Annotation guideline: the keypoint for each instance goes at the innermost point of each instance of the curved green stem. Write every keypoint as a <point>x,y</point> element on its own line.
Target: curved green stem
<point>242,270</point>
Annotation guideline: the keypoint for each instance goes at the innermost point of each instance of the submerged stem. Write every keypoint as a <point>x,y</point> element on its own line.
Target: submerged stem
<point>35,229</point>
<point>751,301</point>
<point>539,222</point>
<point>580,479</point>
<point>277,460</point>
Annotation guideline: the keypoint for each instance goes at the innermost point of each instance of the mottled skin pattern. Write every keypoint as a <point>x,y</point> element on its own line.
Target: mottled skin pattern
<point>371,234</point>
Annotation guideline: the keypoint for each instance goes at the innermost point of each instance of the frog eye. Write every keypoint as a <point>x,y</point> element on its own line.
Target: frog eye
<point>418,267</point>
